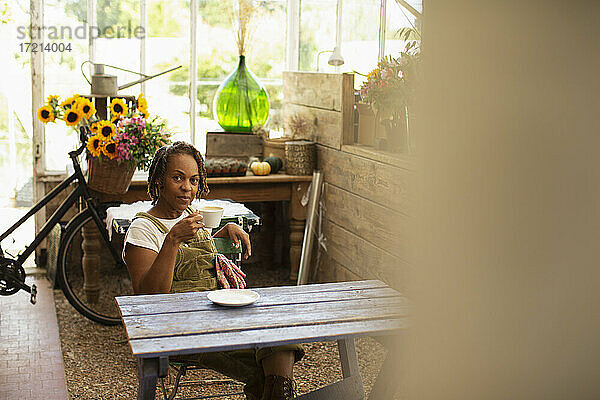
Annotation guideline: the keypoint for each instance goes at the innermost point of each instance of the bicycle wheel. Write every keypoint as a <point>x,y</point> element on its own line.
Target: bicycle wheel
<point>88,274</point>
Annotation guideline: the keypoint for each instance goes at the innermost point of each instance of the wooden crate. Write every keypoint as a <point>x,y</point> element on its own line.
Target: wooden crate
<point>233,145</point>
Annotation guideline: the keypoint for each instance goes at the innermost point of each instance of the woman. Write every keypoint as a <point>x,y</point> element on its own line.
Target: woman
<point>167,250</point>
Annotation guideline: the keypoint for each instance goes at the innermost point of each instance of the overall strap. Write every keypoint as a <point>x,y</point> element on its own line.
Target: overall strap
<point>161,227</point>
<point>190,210</point>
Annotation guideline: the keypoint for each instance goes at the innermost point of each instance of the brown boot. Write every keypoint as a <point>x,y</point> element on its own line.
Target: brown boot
<point>278,388</point>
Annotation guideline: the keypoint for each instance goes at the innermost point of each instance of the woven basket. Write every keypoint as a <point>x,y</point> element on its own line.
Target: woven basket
<point>275,148</point>
<point>109,176</point>
<point>300,157</point>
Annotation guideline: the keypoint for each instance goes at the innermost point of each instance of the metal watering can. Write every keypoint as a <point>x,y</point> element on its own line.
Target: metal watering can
<point>106,85</point>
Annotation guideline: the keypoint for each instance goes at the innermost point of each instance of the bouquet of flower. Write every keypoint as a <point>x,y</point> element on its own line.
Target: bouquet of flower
<point>389,90</point>
<point>130,135</point>
<point>386,89</point>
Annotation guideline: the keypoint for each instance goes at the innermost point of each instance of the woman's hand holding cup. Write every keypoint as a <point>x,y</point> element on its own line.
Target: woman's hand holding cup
<point>212,215</point>
<point>186,229</point>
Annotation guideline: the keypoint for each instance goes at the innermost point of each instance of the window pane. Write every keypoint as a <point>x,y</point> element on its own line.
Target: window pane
<point>64,24</point>
<point>216,58</point>
<point>360,37</point>
<point>317,33</point>
<point>15,100</point>
<point>118,41</point>
<point>167,46</point>
<point>266,53</point>
<point>398,21</point>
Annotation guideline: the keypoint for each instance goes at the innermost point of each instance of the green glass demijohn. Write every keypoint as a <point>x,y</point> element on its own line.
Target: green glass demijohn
<point>241,102</point>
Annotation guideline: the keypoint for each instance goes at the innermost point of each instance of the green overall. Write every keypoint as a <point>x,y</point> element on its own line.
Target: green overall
<point>195,272</point>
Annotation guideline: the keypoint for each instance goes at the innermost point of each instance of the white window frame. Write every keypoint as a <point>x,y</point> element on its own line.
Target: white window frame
<point>291,61</point>
<point>292,48</point>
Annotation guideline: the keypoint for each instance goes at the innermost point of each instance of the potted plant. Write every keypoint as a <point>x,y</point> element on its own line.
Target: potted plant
<point>117,146</point>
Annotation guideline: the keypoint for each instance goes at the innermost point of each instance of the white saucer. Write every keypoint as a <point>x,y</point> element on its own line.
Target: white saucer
<point>233,297</point>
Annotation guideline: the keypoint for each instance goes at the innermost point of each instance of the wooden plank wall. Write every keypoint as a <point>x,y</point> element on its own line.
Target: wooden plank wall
<point>366,200</point>
<point>326,100</point>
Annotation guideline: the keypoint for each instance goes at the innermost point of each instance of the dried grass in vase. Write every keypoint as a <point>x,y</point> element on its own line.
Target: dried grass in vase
<point>242,23</point>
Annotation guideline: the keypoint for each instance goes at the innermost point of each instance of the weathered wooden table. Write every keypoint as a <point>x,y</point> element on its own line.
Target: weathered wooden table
<point>159,326</point>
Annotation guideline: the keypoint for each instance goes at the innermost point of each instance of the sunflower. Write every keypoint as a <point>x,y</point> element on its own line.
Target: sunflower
<point>144,112</point>
<point>45,114</point>
<point>106,129</point>
<point>110,149</point>
<point>72,117</point>
<point>95,145</point>
<point>114,119</point>
<point>94,127</point>
<point>51,98</point>
<point>142,104</point>
<point>68,103</point>
<point>118,107</point>
<point>85,107</point>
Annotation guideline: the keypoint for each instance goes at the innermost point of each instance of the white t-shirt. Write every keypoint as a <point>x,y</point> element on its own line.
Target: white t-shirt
<point>143,233</point>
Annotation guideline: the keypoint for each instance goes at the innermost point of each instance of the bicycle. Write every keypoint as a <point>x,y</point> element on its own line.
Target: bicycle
<point>77,273</point>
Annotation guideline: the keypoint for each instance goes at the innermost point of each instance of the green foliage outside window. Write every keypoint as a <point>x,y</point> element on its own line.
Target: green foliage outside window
<point>217,13</point>
<point>110,14</point>
<point>164,20</point>
<point>4,12</point>
<point>307,51</point>
<point>3,113</point>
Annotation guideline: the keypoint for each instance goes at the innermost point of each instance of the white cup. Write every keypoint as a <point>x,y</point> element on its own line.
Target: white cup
<point>211,216</point>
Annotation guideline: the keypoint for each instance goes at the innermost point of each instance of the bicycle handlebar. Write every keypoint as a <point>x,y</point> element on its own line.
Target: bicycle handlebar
<point>76,153</point>
<point>84,132</point>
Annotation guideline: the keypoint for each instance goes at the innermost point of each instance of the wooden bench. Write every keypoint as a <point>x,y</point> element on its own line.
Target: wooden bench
<point>159,326</point>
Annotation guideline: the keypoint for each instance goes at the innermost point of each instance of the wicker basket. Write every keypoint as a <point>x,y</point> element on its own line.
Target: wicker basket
<point>300,157</point>
<point>275,148</point>
<point>108,176</point>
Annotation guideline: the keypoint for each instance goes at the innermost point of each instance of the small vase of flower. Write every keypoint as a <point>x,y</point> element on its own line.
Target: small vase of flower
<point>388,90</point>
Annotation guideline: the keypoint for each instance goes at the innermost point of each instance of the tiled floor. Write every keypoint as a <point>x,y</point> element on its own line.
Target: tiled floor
<point>31,365</point>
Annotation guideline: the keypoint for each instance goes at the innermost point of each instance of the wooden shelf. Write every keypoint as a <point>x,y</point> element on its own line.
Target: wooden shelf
<point>249,178</point>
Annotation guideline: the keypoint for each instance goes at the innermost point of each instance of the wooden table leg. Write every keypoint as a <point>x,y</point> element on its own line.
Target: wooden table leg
<point>297,219</point>
<point>348,358</point>
<point>350,369</point>
<point>147,378</point>
<point>149,370</point>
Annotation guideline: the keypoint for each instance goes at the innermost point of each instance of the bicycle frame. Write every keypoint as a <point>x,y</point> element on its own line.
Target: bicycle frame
<point>81,191</point>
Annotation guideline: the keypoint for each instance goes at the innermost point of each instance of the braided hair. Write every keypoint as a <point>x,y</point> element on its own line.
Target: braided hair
<point>158,168</point>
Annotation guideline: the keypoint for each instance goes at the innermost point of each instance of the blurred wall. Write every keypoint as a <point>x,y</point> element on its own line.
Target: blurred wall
<point>506,280</point>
